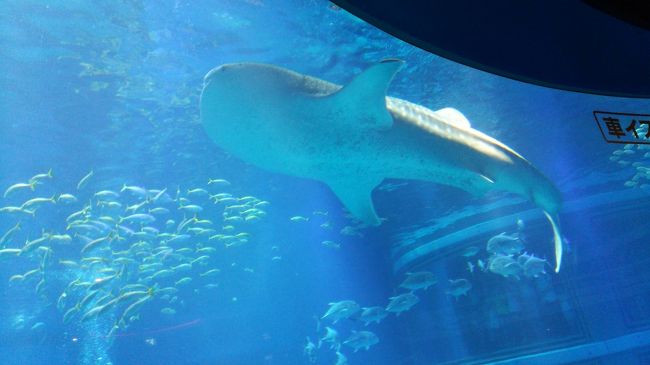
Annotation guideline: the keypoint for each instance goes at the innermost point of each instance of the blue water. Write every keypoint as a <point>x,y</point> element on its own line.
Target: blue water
<point>112,87</point>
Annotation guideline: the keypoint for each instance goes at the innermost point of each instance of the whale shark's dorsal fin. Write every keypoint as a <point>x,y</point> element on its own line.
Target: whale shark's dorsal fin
<point>453,116</point>
<point>356,196</point>
<point>362,102</point>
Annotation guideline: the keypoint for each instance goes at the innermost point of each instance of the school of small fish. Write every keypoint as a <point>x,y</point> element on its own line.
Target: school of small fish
<point>119,250</point>
<point>636,156</point>
<point>350,309</point>
<point>506,259</point>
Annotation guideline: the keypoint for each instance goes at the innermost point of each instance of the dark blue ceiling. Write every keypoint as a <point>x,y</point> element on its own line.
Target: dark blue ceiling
<point>591,46</point>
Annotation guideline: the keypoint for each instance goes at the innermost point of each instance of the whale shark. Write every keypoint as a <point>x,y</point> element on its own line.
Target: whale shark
<point>353,137</point>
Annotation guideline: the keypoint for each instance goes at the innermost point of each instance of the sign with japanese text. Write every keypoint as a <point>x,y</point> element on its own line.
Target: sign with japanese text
<point>624,127</point>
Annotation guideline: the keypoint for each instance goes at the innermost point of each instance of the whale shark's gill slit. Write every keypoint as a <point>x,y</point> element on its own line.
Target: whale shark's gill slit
<point>390,60</point>
<point>531,196</point>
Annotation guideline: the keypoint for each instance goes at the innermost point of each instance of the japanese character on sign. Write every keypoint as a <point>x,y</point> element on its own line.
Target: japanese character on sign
<point>632,128</point>
<point>614,127</point>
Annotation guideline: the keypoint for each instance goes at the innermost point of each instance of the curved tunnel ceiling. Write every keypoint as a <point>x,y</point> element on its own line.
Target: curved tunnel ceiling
<point>591,46</point>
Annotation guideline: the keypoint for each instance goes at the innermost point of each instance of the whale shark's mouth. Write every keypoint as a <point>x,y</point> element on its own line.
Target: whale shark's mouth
<point>211,74</point>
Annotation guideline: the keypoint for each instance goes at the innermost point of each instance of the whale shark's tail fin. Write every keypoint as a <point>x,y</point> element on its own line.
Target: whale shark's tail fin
<point>557,239</point>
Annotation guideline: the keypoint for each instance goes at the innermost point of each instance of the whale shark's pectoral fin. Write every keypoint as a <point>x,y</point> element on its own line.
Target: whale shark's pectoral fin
<point>362,103</point>
<point>356,196</point>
